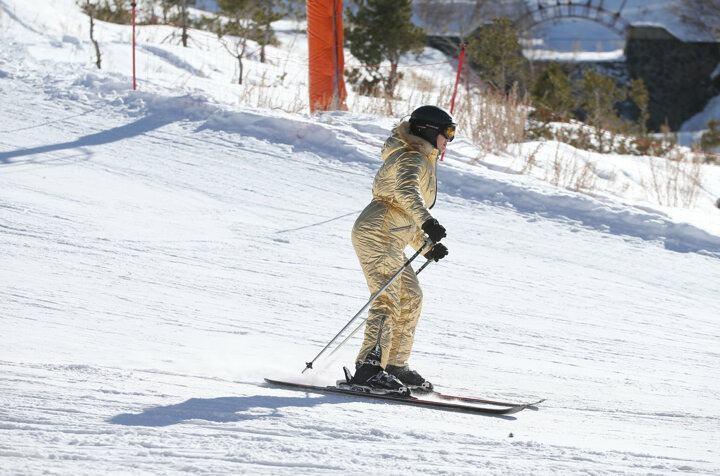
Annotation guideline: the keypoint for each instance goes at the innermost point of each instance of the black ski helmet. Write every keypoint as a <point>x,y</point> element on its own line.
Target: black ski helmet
<point>429,121</point>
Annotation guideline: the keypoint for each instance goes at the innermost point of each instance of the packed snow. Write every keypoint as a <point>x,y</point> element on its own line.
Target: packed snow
<point>164,250</point>
<point>575,56</point>
<point>699,121</point>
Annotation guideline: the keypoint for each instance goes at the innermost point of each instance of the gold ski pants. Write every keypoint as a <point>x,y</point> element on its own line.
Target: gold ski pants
<point>393,316</point>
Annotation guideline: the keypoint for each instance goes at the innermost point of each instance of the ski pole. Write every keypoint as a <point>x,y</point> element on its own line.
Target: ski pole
<point>355,331</point>
<point>309,365</point>
<point>423,266</point>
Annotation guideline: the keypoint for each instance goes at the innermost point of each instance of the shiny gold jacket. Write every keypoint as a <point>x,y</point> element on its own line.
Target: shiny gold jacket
<point>404,190</point>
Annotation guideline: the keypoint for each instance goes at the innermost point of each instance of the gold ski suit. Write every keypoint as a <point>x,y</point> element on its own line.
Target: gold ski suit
<point>404,189</point>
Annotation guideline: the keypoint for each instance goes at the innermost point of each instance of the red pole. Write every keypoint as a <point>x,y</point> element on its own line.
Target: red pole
<point>134,81</point>
<point>461,60</point>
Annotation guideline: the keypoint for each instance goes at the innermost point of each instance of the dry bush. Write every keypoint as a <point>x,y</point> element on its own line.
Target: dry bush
<point>567,172</point>
<point>439,96</point>
<point>267,95</point>
<point>712,158</point>
<point>493,120</point>
<point>530,160</point>
<point>373,105</point>
<point>404,102</point>
<point>675,180</point>
<point>420,83</point>
<point>586,137</point>
<point>586,178</point>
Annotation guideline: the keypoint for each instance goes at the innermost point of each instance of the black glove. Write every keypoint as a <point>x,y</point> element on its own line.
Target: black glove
<point>434,230</point>
<point>438,252</point>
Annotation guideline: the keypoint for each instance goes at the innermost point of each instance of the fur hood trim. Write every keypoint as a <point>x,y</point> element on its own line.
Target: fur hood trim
<point>418,144</point>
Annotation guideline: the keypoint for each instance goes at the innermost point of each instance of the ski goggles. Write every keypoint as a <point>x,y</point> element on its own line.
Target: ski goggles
<point>448,131</point>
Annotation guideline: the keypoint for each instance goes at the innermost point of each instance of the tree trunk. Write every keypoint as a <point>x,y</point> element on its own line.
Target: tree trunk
<point>184,36</point>
<point>266,40</point>
<point>240,65</point>
<point>98,58</point>
<point>392,78</point>
<point>183,23</point>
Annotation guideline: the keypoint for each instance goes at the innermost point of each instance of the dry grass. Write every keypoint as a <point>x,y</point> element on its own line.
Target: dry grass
<point>586,178</point>
<point>407,98</point>
<point>490,119</point>
<point>272,95</point>
<point>493,120</point>
<point>675,180</point>
<point>530,160</point>
<point>569,171</point>
<point>420,83</point>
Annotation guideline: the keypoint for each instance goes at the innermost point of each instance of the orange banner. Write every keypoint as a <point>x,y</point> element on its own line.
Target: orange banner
<point>326,58</point>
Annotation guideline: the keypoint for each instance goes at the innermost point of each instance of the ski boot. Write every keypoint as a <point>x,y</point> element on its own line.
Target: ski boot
<point>410,378</point>
<point>371,378</point>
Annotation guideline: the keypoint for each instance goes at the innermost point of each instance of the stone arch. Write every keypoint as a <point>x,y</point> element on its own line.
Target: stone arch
<point>539,12</point>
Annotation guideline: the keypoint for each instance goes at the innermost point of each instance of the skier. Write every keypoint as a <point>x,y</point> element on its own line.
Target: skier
<point>404,190</point>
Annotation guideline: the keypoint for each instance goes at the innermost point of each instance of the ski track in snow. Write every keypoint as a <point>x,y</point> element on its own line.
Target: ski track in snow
<point>161,255</point>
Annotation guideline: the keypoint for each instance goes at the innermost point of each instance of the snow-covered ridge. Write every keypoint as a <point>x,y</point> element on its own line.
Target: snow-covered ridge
<point>339,136</point>
<point>344,137</point>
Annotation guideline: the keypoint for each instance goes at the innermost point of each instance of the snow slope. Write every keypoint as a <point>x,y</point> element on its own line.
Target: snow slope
<point>698,122</point>
<point>160,254</point>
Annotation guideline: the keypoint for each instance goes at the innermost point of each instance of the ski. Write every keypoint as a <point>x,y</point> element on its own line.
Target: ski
<point>444,396</point>
<point>411,400</point>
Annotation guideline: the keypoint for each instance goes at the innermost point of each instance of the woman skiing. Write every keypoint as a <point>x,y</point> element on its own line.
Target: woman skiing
<point>404,191</point>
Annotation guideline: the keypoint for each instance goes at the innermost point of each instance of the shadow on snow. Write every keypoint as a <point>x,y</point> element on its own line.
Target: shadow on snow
<point>221,410</point>
<point>141,126</point>
<point>234,409</point>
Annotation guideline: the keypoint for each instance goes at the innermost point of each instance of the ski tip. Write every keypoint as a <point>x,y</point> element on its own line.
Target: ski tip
<point>534,405</point>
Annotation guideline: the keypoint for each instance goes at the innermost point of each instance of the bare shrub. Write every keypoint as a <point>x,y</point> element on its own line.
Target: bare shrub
<point>439,95</point>
<point>586,178</point>
<point>420,83</point>
<point>271,95</point>
<point>493,120</point>
<point>567,172</point>
<point>675,180</point>
<point>402,103</point>
<point>586,137</point>
<point>531,160</point>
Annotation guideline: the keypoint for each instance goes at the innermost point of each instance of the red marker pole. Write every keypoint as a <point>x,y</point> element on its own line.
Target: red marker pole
<point>461,60</point>
<point>134,81</point>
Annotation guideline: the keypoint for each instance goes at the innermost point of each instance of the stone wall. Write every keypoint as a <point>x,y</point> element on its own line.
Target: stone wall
<point>677,74</point>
